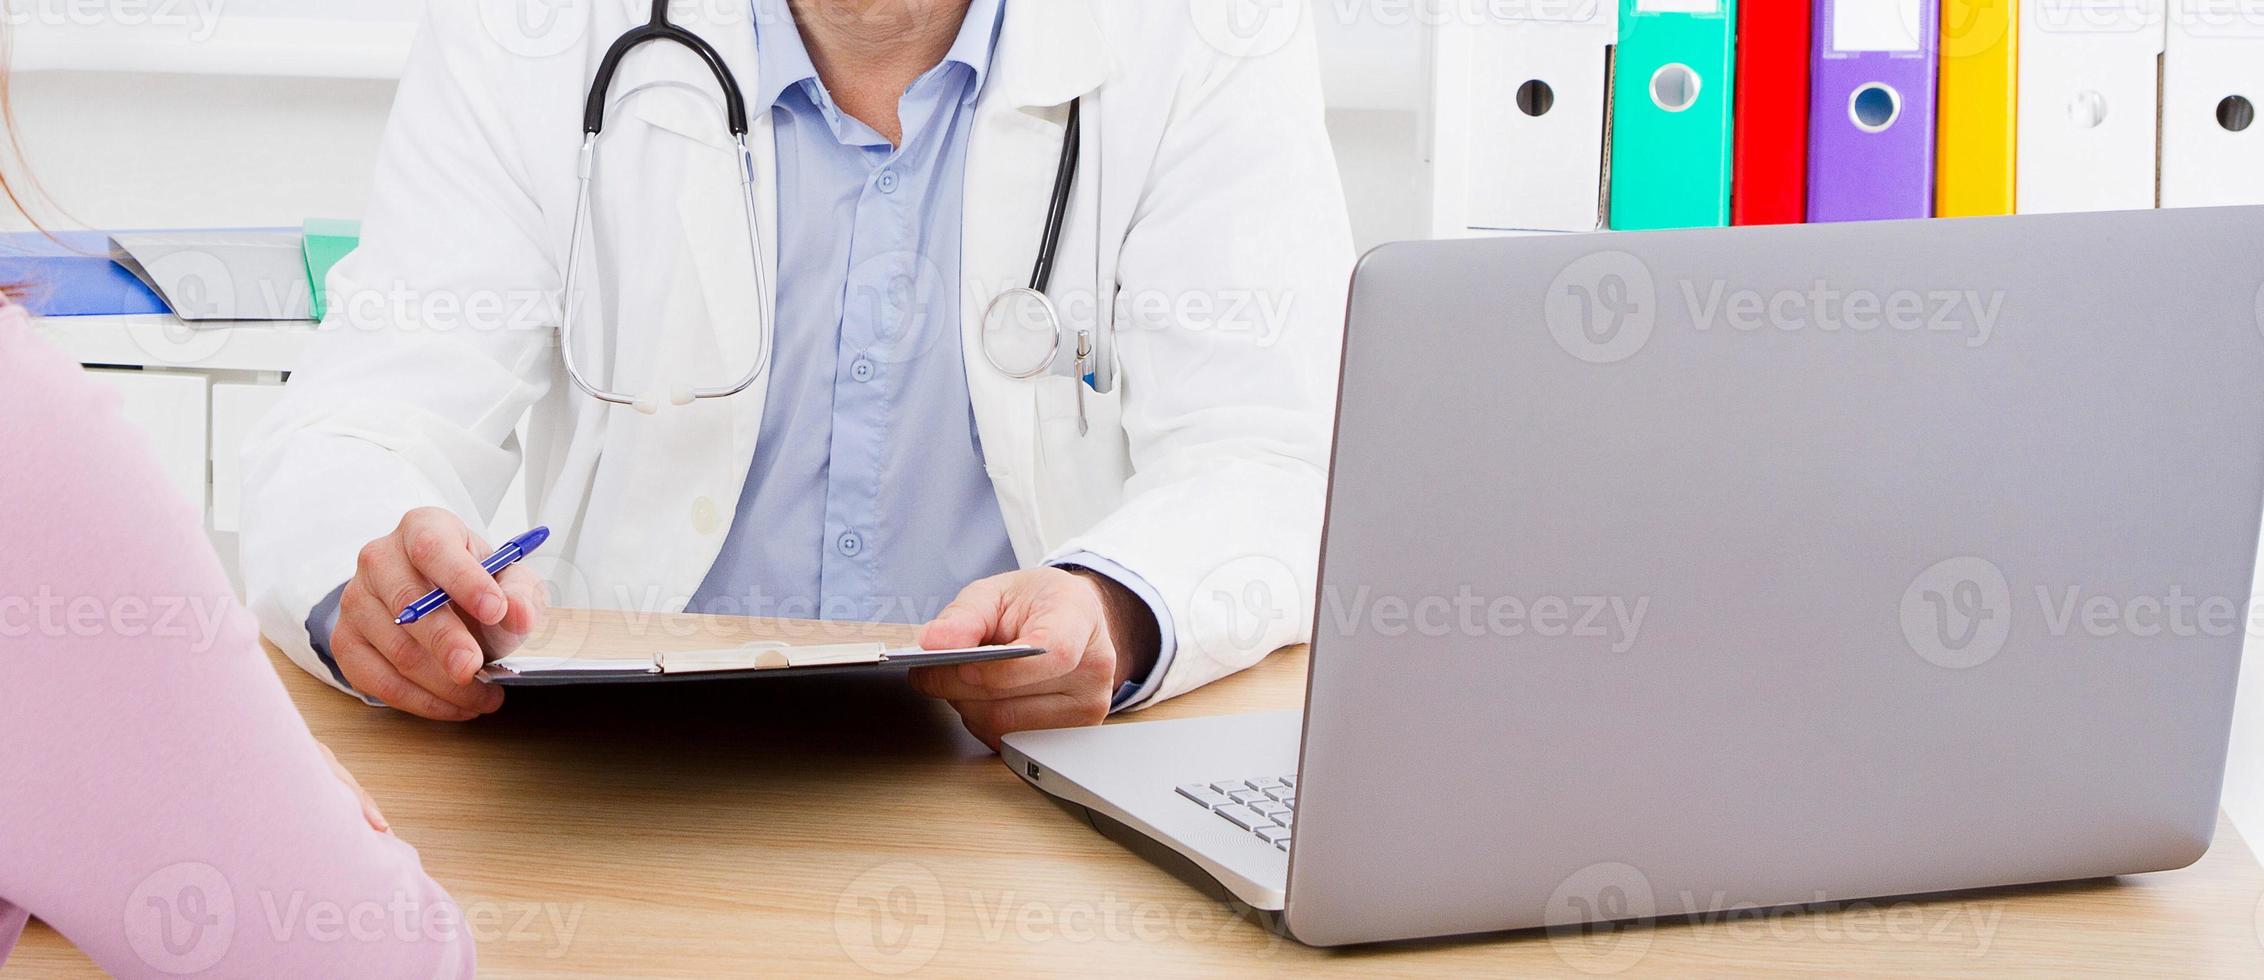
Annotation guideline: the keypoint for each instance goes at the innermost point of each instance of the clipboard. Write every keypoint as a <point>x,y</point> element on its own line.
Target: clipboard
<point>761,659</point>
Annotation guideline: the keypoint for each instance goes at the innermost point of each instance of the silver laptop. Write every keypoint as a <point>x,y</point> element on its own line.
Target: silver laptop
<point>1745,567</point>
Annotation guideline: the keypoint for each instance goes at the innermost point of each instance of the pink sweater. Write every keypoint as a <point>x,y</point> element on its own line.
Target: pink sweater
<point>161,803</point>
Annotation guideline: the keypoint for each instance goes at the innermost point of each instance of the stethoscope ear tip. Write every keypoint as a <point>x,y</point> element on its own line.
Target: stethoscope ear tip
<point>680,395</point>
<point>646,406</point>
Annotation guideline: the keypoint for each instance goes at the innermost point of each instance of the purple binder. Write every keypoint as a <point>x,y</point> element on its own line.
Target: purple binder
<point>1871,110</point>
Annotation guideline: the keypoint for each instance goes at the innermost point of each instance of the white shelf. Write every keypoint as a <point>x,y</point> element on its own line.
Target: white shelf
<point>158,340</point>
<point>281,47</point>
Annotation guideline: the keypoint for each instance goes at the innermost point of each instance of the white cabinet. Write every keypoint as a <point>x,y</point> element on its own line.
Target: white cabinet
<point>196,394</point>
<point>235,407</point>
<point>170,408</point>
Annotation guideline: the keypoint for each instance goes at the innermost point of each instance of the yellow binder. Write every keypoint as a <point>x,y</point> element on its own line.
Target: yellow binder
<point>1974,149</point>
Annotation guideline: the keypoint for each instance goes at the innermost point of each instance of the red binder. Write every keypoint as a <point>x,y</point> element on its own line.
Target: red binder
<point>1769,175</point>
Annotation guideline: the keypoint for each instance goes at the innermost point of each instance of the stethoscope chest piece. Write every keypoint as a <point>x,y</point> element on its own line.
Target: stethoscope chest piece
<point>1021,333</point>
<point>1022,328</point>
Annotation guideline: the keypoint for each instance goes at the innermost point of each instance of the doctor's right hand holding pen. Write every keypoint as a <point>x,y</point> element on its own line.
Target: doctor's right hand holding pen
<point>427,665</point>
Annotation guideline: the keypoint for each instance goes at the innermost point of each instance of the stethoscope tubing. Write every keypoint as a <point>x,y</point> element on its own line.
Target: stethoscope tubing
<point>735,117</point>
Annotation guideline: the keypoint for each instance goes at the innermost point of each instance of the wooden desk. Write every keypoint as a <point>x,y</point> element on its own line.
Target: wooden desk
<point>830,827</point>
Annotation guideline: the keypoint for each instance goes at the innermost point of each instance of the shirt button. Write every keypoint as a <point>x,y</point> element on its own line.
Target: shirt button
<point>861,369</point>
<point>704,516</point>
<point>887,182</point>
<point>850,544</point>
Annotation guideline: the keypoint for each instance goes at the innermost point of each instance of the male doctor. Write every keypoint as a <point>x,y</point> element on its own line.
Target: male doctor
<point>1152,529</point>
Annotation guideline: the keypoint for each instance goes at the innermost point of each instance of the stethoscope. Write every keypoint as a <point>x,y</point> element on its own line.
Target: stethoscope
<point>1022,319</point>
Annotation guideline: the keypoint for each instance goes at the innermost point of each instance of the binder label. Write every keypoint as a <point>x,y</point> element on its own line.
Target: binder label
<point>1875,25</point>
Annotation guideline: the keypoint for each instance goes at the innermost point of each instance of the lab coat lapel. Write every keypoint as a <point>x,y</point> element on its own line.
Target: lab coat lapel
<point>715,222</point>
<point>1049,53</point>
<point>693,478</point>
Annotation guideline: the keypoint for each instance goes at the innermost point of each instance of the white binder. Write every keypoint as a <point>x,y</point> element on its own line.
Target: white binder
<point>2089,84</point>
<point>2212,82</point>
<point>1518,110</point>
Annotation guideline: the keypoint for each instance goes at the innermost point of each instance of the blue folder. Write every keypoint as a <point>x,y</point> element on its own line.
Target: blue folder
<point>70,274</point>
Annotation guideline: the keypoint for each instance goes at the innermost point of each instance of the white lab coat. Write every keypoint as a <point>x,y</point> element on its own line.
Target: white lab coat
<point>1209,208</point>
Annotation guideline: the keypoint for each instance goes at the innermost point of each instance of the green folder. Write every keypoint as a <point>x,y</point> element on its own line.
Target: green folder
<point>1672,94</point>
<point>326,240</point>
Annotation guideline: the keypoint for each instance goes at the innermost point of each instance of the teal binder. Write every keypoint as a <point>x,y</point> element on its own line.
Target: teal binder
<point>1673,89</point>
<point>326,240</point>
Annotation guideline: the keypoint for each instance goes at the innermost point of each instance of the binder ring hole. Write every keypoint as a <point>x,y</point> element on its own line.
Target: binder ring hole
<point>2236,113</point>
<point>1535,97</point>
<point>2087,110</point>
<point>1674,87</point>
<point>1874,107</point>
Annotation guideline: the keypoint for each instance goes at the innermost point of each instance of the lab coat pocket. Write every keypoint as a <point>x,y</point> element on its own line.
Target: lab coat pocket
<point>1079,476</point>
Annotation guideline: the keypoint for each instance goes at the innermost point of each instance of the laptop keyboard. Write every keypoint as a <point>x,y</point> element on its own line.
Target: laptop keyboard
<point>1263,806</point>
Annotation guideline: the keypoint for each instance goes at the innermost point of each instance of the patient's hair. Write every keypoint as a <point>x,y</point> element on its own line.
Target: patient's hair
<point>9,290</point>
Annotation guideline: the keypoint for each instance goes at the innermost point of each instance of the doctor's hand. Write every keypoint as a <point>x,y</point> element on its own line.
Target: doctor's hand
<point>427,667</point>
<point>1096,635</point>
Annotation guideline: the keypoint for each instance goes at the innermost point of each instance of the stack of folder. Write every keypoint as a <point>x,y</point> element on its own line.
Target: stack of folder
<point>69,273</point>
<point>203,274</point>
<point>1632,114</point>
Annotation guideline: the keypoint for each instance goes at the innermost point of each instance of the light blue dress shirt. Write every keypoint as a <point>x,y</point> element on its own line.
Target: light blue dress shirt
<point>867,499</point>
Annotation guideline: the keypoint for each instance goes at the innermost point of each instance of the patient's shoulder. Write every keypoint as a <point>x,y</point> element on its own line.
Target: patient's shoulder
<point>72,457</point>
<point>48,404</point>
<point>33,371</point>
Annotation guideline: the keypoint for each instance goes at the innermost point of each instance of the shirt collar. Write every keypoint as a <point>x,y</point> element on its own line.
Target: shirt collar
<point>782,61</point>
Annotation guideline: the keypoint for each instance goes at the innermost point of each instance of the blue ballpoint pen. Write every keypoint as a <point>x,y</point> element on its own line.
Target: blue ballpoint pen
<point>504,557</point>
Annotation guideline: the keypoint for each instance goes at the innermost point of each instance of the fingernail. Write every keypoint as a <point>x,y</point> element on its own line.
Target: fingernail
<point>466,664</point>
<point>491,609</point>
<point>376,819</point>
